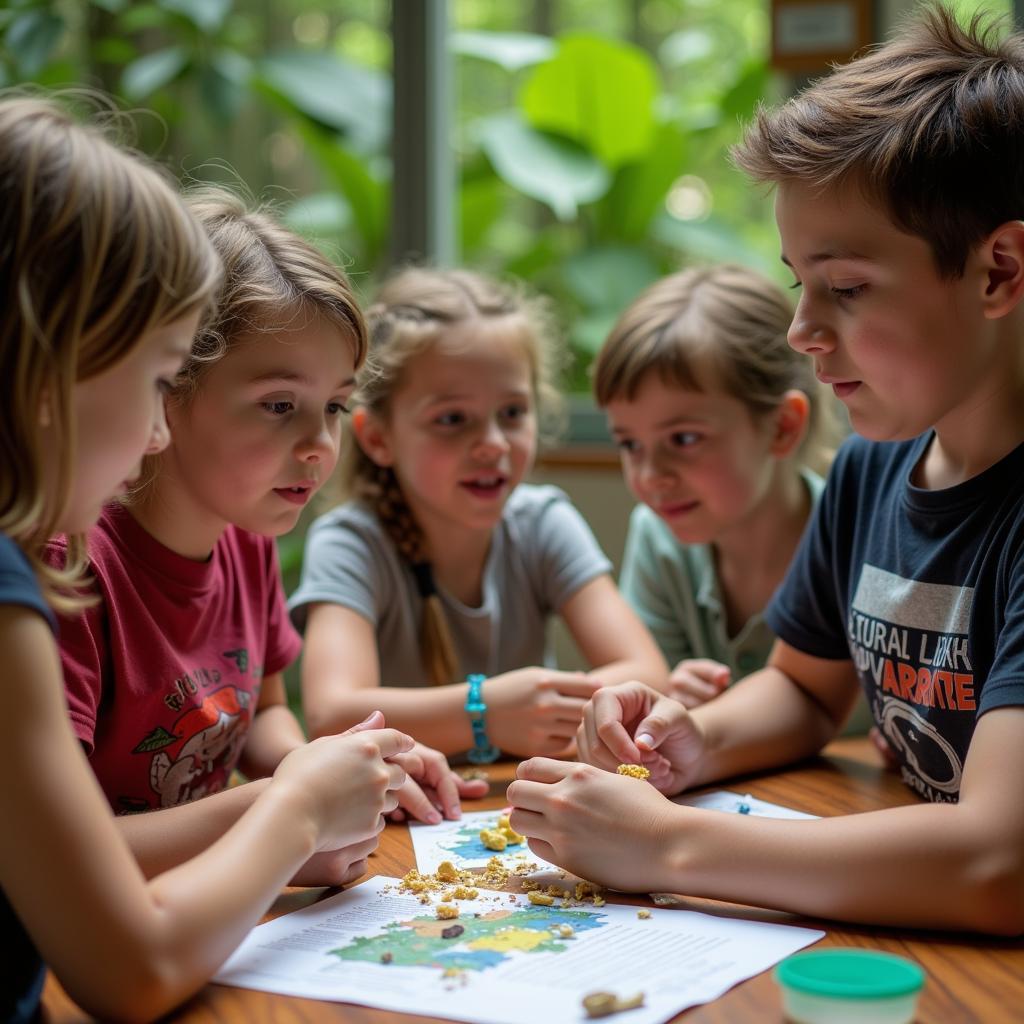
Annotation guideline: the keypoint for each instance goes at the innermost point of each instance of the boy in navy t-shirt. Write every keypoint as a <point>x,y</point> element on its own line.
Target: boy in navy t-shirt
<point>900,188</point>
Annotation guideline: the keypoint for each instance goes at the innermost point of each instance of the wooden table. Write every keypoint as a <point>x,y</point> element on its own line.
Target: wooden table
<point>970,979</point>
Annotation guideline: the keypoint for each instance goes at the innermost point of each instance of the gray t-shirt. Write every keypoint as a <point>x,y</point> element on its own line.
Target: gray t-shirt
<point>675,590</point>
<point>541,553</point>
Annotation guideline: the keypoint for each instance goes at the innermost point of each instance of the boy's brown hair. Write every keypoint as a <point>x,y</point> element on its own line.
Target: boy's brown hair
<point>929,125</point>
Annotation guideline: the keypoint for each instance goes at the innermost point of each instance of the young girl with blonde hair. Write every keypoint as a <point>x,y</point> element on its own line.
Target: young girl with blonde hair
<point>104,276</point>
<point>175,678</point>
<point>719,422</point>
<point>444,567</point>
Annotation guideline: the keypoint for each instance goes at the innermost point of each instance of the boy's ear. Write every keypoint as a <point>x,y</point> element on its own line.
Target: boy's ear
<point>791,418</point>
<point>1003,256</point>
<point>372,436</point>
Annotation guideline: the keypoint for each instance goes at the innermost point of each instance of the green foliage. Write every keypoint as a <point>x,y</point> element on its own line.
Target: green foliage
<point>597,92</point>
<point>589,164</point>
<point>558,172</point>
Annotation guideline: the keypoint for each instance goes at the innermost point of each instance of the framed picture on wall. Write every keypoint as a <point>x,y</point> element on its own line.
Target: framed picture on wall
<point>808,35</point>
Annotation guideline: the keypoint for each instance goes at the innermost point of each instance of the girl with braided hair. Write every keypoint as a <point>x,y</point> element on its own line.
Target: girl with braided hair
<point>428,593</point>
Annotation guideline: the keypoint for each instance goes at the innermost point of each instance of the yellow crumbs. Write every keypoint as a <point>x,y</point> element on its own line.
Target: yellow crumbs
<point>503,835</point>
<point>634,771</point>
<point>448,884</point>
<point>540,899</point>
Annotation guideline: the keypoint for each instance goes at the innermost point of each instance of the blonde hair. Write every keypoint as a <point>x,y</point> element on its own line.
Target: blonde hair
<point>909,123</point>
<point>96,249</point>
<point>723,328</point>
<point>273,278</point>
<point>412,311</point>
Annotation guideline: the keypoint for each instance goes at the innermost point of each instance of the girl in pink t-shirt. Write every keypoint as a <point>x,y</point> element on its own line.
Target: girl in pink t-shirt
<point>175,678</point>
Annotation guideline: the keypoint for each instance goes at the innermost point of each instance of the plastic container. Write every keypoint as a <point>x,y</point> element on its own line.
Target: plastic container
<point>849,986</point>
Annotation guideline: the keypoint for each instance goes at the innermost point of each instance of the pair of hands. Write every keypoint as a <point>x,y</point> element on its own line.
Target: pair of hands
<point>536,711</point>
<point>392,776</point>
<point>570,811</point>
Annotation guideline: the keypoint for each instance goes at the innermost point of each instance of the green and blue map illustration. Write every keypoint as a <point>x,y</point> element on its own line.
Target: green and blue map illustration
<point>474,942</point>
<point>466,843</point>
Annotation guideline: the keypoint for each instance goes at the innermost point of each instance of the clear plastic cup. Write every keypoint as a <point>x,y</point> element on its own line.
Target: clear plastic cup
<point>849,986</point>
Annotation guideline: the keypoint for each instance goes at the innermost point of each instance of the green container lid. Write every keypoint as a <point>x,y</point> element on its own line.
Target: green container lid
<point>850,974</point>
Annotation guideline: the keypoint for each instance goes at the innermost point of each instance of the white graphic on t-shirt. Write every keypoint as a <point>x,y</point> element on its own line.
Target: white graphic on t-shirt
<point>210,735</point>
<point>907,732</point>
<point>910,643</point>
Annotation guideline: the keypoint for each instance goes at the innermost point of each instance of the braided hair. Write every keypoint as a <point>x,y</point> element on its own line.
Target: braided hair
<point>411,312</point>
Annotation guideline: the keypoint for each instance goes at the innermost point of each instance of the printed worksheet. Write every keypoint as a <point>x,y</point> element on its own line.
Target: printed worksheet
<point>459,842</point>
<point>738,803</point>
<point>504,960</point>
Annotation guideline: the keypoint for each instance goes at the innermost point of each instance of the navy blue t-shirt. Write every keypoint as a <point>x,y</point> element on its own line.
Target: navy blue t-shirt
<point>924,590</point>
<point>23,972</point>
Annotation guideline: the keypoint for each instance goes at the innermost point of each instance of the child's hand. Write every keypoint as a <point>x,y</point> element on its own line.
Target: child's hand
<point>695,681</point>
<point>536,710</point>
<point>603,827</point>
<point>345,784</point>
<point>634,724</point>
<point>336,867</point>
<point>432,789</point>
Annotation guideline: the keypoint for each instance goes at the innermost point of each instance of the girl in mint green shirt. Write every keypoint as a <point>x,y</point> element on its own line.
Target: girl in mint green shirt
<point>717,420</point>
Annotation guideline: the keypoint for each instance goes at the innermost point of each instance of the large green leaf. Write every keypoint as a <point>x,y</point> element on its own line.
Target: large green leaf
<point>138,17</point>
<point>207,15</point>
<point>510,50</point>
<point>222,84</point>
<point>588,332</point>
<point>555,171</point>
<point>366,195</point>
<point>742,97</point>
<point>31,38</point>
<point>597,92</point>
<point>333,92</point>
<point>638,191</point>
<point>153,71</point>
<point>321,215</point>
<point>687,46</point>
<point>609,278</point>
<point>481,200</point>
<point>710,241</point>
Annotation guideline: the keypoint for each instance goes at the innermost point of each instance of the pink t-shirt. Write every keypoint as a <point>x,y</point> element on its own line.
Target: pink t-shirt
<point>163,676</point>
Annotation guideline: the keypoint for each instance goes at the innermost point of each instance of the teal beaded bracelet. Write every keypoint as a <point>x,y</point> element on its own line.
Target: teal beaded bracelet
<point>483,751</point>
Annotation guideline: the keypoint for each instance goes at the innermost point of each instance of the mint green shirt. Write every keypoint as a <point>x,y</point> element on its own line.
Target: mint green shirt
<point>674,589</point>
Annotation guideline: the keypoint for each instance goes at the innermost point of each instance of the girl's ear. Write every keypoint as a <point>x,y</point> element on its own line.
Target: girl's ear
<point>790,418</point>
<point>372,436</point>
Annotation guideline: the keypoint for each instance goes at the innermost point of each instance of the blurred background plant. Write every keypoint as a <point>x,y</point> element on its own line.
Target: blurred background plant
<point>591,135</point>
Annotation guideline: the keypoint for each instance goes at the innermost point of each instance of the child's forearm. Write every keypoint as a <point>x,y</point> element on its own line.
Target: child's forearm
<point>433,715</point>
<point>646,670</point>
<point>275,733</point>
<point>764,721</point>
<point>161,840</point>
<point>927,866</point>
